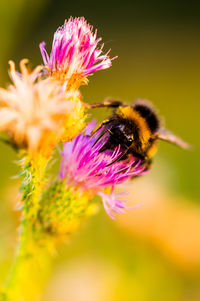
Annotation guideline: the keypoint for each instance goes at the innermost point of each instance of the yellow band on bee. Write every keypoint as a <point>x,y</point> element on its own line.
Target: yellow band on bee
<point>143,129</point>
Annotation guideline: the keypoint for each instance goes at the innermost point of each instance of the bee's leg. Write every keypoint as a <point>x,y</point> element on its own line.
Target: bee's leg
<point>103,148</point>
<point>118,158</point>
<point>112,103</point>
<point>122,154</point>
<point>148,164</point>
<point>103,133</point>
<point>137,156</point>
<point>107,121</point>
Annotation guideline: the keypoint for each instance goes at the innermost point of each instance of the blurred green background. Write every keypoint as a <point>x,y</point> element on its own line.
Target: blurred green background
<point>151,253</point>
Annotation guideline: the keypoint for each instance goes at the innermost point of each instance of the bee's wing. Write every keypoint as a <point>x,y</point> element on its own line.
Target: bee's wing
<point>166,135</point>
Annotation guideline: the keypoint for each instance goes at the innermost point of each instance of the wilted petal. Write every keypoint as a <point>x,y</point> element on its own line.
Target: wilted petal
<point>7,117</point>
<point>37,113</point>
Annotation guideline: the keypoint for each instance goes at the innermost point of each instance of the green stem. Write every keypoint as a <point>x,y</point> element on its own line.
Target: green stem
<point>33,170</point>
<point>31,268</point>
<point>49,217</point>
<point>32,261</point>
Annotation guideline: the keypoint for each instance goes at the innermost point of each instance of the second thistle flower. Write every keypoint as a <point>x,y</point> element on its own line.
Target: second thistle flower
<point>75,53</point>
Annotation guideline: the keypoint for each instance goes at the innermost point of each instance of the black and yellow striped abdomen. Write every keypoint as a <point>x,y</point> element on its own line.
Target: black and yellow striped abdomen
<point>133,128</point>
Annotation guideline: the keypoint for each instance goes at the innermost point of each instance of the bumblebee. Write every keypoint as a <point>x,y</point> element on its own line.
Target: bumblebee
<point>136,128</point>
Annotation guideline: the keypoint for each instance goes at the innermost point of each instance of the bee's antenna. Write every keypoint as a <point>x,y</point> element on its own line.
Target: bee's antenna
<point>112,103</point>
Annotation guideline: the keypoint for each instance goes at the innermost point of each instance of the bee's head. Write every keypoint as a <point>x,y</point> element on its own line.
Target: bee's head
<point>146,110</point>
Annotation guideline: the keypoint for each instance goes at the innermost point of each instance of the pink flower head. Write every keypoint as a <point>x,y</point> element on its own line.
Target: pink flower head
<point>75,52</point>
<point>86,167</point>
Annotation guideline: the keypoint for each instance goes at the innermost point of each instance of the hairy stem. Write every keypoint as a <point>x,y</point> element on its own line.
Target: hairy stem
<point>32,261</point>
<point>50,216</point>
<point>33,171</point>
<point>31,268</point>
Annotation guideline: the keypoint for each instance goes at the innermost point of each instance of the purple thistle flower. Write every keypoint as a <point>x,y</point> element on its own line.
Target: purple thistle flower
<point>85,167</point>
<point>75,53</point>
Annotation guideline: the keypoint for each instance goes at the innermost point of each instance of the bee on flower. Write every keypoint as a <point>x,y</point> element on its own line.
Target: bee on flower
<point>75,53</point>
<point>88,169</point>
